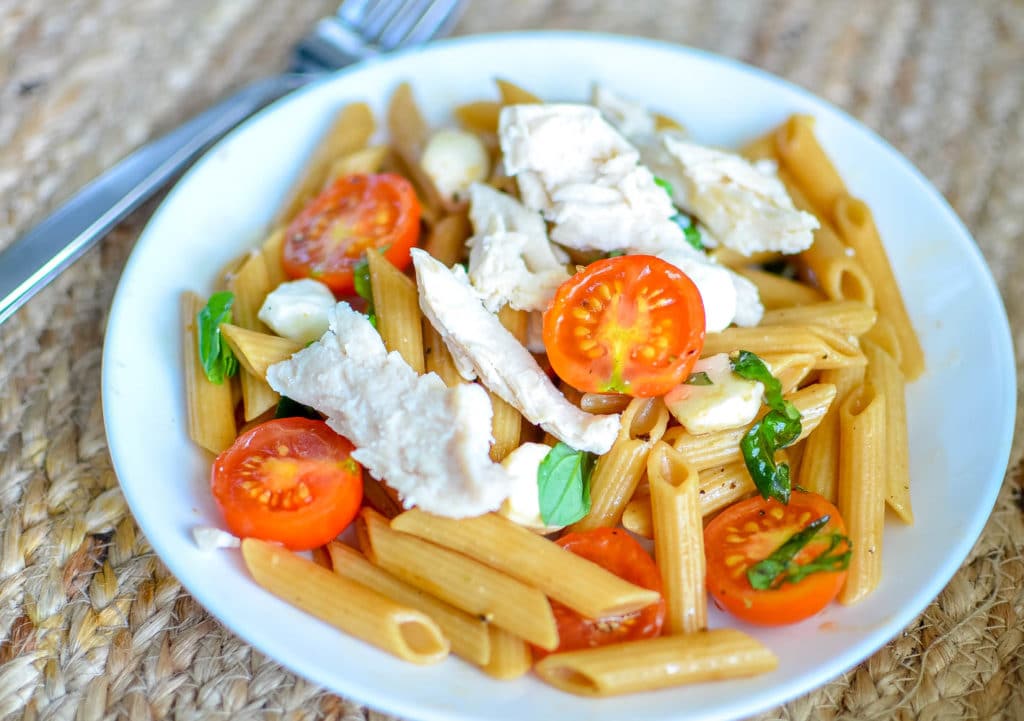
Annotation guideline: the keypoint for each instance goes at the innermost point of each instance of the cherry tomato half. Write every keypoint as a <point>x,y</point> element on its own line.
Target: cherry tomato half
<point>630,324</point>
<point>290,480</point>
<point>750,531</point>
<point>331,234</point>
<point>617,551</point>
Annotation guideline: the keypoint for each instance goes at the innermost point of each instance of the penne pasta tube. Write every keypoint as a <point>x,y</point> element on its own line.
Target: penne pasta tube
<point>210,407</point>
<point>510,656</point>
<point>819,468</point>
<point>807,162</point>
<point>862,488</point>
<point>613,482</point>
<point>506,421</point>
<point>447,239</point>
<point>512,94</point>
<point>779,292</point>
<point>250,285</point>
<point>405,632</point>
<point>678,538</point>
<point>572,580</point>
<point>362,161</point>
<point>829,348</point>
<point>857,226</point>
<point>883,334</point>
<point>409,135</point>
<point>735,260</point>
<point>257,351</point>
<point>468,635</point>
<point>791,368</point>
<point>273,249</point>
<point>761,148</point>
<point>397,306</point>
<point>827,262</point>
<point>723,447</point>
<point>846,317</point>
<point>657,663</point>
<point>480,116</point>
<point>459,580</point>
<point>884,372</point>
<point>380,497</point>
<point>351,130</point>
<point>438,358</point>
<point>645,419</point>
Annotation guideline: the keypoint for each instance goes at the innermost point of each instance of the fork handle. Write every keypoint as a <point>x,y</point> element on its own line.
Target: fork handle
<point>37,257</point>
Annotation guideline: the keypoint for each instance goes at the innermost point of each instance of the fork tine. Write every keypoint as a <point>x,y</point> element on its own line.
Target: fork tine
<point>378,15</point>
<point>417,22</point>
<point>353,11</point>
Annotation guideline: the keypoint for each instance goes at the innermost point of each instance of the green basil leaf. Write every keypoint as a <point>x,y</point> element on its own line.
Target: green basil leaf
<point>563,485</point>
<point>288,408</point>
<point>664,185</point>
<point>361,281</point>
<point>690,231</point>
<point>215,356</point>
<point>779,568</point>
<point>615,253</point>
<point>700,378</point>
<point>779,428</point>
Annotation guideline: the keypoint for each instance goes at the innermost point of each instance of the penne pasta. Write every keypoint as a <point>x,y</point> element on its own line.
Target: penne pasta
<point>678,538</point>
<point>827,262</point>
<point>604,403</point>
<point>409,134</point>
<point>883,334</point>
<point>857,226</point>
<point>402,631</point>
<point>351,130</point>
<point>777,291</point>
<point>273,248</point>
<point>250,285</point>
<point>829,348</point>
<point>438,359</point>
<point>735,260</point>
<point>459,580</point>
<point>468,635</point>
<point>512,94</point>
<point>806,161</point>
<point>447,239</point>
<point>657,663</point>
<point>791,369</point>
<point>364,160</point>
<point>380,497</point>
<point>723,447</point>
<point>506,421</point>
<point>884,372</point>
<point>210,407</point>
<point>615,478</point>
<point>572,580</point>
<point>398,310</point>
<point>480,116</point>
<point>862,488</point>
<point>257,351</point>
<point>510,655</point>
<point>846,317</point>
<point>819,468</point>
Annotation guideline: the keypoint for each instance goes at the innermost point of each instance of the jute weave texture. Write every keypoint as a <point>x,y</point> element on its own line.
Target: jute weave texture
<point>92,626</point>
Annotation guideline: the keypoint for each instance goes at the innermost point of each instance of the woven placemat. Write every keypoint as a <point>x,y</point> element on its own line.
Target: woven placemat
<point>92,626</point>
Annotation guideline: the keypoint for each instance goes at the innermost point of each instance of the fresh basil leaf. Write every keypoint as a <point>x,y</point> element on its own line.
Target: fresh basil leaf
<point>664,185</point>
<point>690,231</point>
<point>361,281</point>
<point>779,428</point>
<point>615,253</point>
<point>288,408</point>
<point>700,378</point>
<point>563,485</point>
<point>215,356</point>
<point>779,568</point>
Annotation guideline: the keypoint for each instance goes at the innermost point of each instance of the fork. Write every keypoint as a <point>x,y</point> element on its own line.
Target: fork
<point>359,29</point>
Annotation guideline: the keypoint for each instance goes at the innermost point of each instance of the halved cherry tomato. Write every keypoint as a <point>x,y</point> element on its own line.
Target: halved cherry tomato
<point>617,551</point>
<point>331,234</point>
<point>630,324</point>
<point>750,531</point>
<point>290,480</point>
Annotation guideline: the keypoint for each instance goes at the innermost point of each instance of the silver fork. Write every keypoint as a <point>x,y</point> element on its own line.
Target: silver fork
<point>360,29</point>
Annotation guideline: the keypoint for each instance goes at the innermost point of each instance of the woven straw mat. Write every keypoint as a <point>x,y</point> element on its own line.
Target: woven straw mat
<point>93,626</point>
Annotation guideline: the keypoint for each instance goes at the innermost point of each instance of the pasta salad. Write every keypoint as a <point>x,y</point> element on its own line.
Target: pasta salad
<point>510,351</point>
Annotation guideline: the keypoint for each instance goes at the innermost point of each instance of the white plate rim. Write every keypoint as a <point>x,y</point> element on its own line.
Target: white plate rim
<point>854,655</point>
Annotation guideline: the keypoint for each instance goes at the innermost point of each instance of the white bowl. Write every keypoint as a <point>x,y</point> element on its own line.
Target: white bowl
<point>961,412</point>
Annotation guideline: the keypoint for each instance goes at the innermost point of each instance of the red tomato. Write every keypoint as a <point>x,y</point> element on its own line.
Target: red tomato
<point>750,531</point>
<point>290,480</point>
<point>630,324</point>
<point>617,551</point>
<point>331,234</point>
